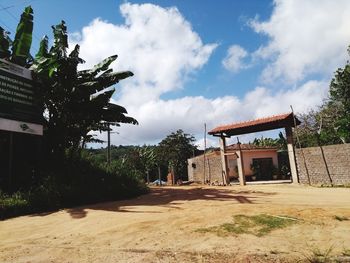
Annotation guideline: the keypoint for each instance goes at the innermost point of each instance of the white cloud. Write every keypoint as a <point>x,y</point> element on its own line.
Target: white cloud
<point>161,117</point>
<point>305,37</point>
<point>162,50</point>
<point>157,44</point>
<point>234,59</point>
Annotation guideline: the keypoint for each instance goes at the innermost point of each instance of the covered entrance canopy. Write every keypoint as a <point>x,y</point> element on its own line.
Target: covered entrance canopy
<point>286,121</point>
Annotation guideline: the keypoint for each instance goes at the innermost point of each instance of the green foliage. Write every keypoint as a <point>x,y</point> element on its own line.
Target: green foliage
<point>320,256</point>
<point>330,124</point>
<point>14,204</point>
<point>23,39</point>
<point>258,225</point>
<point>143,159</point>
<point>5,43</point>
<point>318,127</point>
<point>148,160</point>
<point>174,151</point>
<point>76,102</point>
<point>340,99</point>
<point>75,181</point>
<point>280,142</point>
<point>20,47</point>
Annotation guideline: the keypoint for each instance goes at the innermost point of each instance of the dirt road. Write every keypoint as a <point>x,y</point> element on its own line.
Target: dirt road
<point>161,227</point>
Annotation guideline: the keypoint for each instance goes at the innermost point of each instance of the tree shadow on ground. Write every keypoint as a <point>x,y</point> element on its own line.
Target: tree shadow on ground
<point>171,197</point>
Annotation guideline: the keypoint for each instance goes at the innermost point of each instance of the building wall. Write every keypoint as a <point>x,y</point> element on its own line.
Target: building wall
<point>213,170</point>
<point>248,157</point>
<point>338,161</point>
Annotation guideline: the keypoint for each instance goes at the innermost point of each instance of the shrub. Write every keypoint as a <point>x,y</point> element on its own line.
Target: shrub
<point>75,181</point>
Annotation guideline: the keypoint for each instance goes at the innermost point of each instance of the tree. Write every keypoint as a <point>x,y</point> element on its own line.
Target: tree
<point>75,102</point>
<point>279,143</point>
<point>330,123</point>
<point>148,158</point>
<point>318,127</point>
<point>175,149</point>
<point>340,101</point>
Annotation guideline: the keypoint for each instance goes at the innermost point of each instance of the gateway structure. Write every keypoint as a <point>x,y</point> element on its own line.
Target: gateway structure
<point>286,121</point>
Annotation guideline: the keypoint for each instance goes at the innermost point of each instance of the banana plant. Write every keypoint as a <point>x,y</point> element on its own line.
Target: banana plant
<point>148,159</point>
<point>75,101</point>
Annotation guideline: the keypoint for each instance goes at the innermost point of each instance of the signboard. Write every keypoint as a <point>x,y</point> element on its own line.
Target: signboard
<point>23,127</point>
<point>17,97</point>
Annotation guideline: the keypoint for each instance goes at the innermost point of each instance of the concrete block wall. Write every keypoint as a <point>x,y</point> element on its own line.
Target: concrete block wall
<point>213,168</point>
<point>338,161</point>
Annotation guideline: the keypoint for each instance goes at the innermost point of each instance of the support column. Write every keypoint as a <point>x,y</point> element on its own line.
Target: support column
<point>291,155</point>
<point>240,167</point>
<point>223,160</point>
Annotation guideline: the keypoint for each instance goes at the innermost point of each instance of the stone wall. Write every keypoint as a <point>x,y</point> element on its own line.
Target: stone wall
<point>338,161</point>
<point>213,171</point>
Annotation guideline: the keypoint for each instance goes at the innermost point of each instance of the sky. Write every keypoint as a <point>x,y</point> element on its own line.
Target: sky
<point>199,62</point>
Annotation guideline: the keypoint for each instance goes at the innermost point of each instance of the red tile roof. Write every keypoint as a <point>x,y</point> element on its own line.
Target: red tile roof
<point>269,123</point>
<point>249,146</point>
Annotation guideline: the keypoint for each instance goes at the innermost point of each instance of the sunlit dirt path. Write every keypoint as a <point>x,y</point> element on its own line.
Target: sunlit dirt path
<point>161,227</point>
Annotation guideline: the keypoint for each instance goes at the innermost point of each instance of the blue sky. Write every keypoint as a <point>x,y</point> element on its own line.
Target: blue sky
<point>197,62</point>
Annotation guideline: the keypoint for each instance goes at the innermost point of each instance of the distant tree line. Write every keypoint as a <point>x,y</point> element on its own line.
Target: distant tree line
<point>170,155</point>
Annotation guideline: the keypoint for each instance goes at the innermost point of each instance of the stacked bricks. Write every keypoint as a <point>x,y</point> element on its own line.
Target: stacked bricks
<point>213,168</point>
<point>337,158</point>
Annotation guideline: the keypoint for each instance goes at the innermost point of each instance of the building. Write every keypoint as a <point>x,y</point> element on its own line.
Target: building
<point>208,168</point>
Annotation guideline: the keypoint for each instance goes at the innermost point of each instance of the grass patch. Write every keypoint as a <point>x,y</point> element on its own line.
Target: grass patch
<point>346,252</point>
<point>320,256</point>
<point>258,225</point>
<point>341,218</point>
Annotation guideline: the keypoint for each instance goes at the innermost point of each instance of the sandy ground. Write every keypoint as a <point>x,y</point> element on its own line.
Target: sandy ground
<point>161,227</point>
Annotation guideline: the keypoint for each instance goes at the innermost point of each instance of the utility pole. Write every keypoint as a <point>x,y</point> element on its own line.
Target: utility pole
<point>159,175</point>
<point>109,145</point>
<point>205,147</point>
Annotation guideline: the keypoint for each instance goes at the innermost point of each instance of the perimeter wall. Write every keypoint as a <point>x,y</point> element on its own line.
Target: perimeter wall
<point>312,164</point>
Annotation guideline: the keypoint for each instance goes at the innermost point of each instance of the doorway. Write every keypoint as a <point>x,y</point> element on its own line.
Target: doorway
<point>264,171</point>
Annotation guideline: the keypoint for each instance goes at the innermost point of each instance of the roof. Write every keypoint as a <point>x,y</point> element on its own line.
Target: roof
<point>234,147</point>
<point>263,124</point>
<point>249,146</point>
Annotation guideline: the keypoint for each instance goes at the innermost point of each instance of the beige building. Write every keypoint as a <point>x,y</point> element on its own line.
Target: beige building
<point>208,169</point>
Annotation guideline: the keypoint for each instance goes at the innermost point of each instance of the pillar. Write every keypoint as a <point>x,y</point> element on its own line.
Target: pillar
<point>291,155</point>
<point>223,160</point>
<point>240,167</point>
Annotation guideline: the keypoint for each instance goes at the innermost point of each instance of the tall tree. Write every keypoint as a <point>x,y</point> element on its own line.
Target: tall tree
<point>340,101</point>
<point>175,149</point>
<point>75,102</point>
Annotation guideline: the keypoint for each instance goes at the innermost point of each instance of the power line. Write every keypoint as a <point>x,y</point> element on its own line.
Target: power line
<point>7,7</point>
<point>22,2</point>
<point>15,18</point>
<point>17,21</point>
<point>7,11</point>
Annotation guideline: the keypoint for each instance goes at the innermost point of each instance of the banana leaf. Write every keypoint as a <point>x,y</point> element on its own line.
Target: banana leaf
<point>102,66</point>
<point>43,49</point>
<point>5,43</point>
<point>23,39</point>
